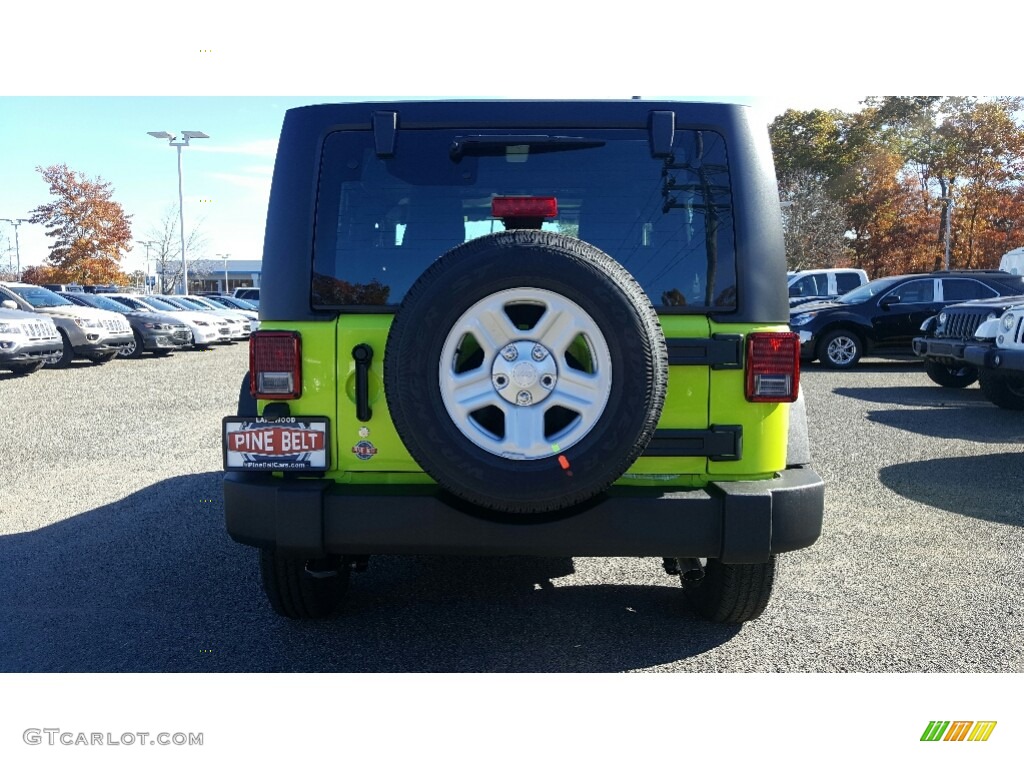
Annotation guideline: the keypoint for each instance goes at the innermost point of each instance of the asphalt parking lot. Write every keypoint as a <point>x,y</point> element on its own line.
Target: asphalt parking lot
<point>113,555</point>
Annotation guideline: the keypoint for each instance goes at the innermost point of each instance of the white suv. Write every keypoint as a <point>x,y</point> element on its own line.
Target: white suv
<point>816,284</point>
<point>27,340</point>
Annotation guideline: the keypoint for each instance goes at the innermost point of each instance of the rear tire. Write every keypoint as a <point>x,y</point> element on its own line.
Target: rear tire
<point>732,593</point>
<point>1005,391</point>
<point>298,588</point>
<point>951,376</point>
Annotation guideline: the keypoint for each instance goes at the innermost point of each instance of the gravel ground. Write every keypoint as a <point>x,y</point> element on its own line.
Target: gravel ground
<point>113,555</point>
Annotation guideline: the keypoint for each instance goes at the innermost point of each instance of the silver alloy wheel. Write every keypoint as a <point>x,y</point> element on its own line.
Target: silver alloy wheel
<point>128,350</point>
<point>525,373</point>
<point>841,350</point>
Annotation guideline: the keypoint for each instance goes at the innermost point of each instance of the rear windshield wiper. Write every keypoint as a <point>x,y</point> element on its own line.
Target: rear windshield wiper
<point>493,145</point>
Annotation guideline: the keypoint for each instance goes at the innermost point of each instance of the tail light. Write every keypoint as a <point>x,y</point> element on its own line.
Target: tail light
<point>518,212</point>
<point>543,207</point>
<point>275,365</point>
<point>773,367</point>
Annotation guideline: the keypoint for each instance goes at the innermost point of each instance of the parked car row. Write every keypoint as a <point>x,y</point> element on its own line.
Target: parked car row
<point>884,316</point>
<point>965,325</point>
<point>40,327</point>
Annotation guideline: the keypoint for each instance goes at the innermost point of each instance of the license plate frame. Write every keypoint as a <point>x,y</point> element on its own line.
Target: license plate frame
<point>286,444</point>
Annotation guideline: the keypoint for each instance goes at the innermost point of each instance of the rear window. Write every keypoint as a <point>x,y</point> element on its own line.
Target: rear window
<point>965,290</point>
<point>811,285</point>
<point>382,221</point>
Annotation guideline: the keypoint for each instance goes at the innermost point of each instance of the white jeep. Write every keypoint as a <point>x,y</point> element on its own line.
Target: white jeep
<point>998,353</point>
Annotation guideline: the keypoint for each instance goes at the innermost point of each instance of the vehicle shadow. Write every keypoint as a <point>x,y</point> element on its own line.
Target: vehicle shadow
<point>153,583</point>
<point>979,425</point>
<point>868,365</point>
<point>928,395</point>
<point>952,484</point>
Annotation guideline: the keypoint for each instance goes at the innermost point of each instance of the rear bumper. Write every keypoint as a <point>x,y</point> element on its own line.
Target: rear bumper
<point>736,522</point>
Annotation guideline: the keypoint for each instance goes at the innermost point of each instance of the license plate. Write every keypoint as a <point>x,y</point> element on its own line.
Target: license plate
<point>292,443</point>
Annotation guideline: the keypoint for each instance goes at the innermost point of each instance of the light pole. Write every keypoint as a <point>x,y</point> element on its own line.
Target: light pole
<point>949,216</point>
<point>147,243</point>
<point>174,141</point>
<point>225,256</point>
<point>17,250</point>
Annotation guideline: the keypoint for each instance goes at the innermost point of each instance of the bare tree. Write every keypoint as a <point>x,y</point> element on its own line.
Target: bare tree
<point>166,252</point>
<point>8,262</point>
<point>814,223</point>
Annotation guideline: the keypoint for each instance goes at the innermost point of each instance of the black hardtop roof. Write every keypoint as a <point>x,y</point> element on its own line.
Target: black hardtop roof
<point>760,250</point>
<point>512,112</point>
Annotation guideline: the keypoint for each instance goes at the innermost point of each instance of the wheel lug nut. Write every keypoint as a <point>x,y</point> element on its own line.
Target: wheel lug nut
<point>510,353</point>
<point>539,353</point>
<point>500,381</point>
<point>524,398</point>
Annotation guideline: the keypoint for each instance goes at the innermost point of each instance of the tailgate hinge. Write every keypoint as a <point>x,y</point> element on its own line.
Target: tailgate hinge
<point>723,351</point>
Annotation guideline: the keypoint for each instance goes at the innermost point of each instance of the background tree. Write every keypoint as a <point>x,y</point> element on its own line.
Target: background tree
<point>894,167</point>
<point>8,260</point>
<point>166,251</point>
<point>39,274</point>
<point>814,223</point>
<point>90,230</point>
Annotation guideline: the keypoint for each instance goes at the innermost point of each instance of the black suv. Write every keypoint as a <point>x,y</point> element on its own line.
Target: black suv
<point>883,316</point>
<point>541,328</point>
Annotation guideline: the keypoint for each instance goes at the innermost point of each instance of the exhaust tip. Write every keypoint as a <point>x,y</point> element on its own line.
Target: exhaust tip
<point>691,570</point>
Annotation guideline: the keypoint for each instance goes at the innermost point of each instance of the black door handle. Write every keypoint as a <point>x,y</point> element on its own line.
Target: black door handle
<point>363,355</point>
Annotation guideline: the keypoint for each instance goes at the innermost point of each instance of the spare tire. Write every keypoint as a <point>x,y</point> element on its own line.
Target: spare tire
<point>525,371</point>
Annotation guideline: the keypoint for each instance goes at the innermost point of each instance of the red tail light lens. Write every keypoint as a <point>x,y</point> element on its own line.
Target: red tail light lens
<point>773,367</point>
<point>275,365</point>
<point>524,207</point>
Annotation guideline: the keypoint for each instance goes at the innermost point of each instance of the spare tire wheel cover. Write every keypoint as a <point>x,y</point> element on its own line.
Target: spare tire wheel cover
<point>525,371</point>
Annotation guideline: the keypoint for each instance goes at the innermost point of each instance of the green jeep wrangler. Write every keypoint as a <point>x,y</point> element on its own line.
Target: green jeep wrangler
<point>523,328</point>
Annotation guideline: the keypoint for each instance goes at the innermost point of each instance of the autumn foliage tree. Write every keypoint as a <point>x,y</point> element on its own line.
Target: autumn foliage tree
<point>90,231</point>
<point>902,166</point>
